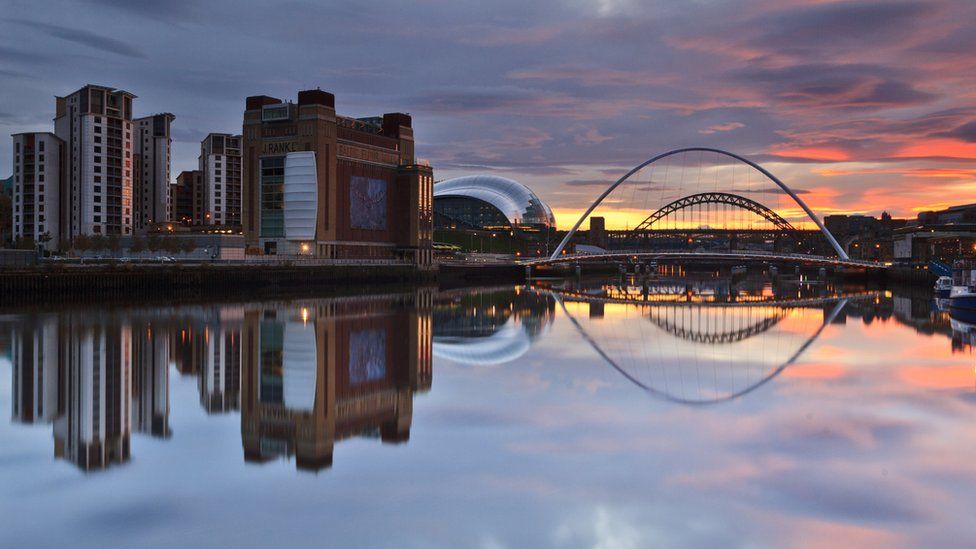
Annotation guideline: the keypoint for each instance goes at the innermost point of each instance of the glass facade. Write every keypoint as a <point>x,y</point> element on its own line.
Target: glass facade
<point>272,197</point>
<point>469,213</point>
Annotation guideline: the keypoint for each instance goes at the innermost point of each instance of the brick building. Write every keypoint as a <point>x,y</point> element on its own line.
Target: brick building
<point>319,184</point>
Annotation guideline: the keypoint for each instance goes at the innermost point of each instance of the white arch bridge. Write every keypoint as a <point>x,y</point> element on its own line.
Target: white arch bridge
<point>696,208</point>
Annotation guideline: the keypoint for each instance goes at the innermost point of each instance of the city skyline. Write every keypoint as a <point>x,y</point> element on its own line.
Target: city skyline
<point>563,96</point>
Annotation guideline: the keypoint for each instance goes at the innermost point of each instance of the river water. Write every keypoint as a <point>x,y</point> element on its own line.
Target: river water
<point>615,414</point>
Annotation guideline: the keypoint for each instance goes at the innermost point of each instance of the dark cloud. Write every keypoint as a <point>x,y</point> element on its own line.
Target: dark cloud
<point>170,10</point>
<point>833,86</point>
<point>965,132</point>
<point>842,24</point>
<point>84,38</point>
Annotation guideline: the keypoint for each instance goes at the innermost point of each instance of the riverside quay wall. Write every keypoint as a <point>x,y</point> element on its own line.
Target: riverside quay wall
<point>57,284</point>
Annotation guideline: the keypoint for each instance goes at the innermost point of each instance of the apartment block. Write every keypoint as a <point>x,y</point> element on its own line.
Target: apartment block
<point>151,171</point>
<point>37,198</point>
<point>220,163</point>
<point>95,123</point>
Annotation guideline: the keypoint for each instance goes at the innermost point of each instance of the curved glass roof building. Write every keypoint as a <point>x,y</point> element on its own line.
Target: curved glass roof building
<point>488,202</point>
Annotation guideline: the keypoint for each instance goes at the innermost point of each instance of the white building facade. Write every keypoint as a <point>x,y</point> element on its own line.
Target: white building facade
<point>220,162</point>
<point>95,124</point>
<point>37,188</point>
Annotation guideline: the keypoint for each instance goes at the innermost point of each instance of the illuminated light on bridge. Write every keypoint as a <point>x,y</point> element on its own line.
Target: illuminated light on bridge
<point>688,202</point>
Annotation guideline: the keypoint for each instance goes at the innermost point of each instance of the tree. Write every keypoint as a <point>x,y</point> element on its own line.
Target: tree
<point>98,242</point>
<point>112,243</point>
<point>154,243</point>
<point>187,245</point>
<point>25,243</point>
<point>138,245</point>
<point>44,239</point>
<point>171,245</point>
<point>81,242</point>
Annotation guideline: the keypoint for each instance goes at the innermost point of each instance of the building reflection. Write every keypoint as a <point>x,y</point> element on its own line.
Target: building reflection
<point>310,373</point>
<point>150,378</point>
<point>490,327</point>
<point>93,426</point>
<point>321,372</point>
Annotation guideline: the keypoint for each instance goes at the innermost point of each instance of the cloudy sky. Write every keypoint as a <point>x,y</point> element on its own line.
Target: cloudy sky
<point>868,105</point>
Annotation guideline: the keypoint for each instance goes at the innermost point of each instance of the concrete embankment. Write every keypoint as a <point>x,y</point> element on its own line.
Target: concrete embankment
<point>56,284</point>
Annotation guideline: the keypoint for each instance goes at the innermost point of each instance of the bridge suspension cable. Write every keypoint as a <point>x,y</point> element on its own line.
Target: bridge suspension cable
<point>813,217</point>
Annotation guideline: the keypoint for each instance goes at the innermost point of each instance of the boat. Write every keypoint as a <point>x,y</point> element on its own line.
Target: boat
<point>962,297</point>
<point>943,287</point>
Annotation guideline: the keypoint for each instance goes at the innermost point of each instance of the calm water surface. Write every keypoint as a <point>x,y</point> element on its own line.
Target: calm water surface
<point>604,414</point>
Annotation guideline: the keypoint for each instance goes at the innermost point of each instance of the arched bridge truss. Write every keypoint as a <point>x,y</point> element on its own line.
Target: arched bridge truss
<point>735,200</point>
<point>703,334</point>
<point>813,217</point>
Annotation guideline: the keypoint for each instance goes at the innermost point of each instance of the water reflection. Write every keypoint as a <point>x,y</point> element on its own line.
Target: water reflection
<point>491,326</point>
<point>305,374</point>
<point>324,371</point>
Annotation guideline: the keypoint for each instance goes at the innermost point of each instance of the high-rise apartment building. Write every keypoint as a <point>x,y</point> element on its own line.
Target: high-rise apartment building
<point>320,184</point>
<point>37,195</point>
<point>95,124</point>
<point>150,171</point>
<point>188,198</point>
<point>220,163</point>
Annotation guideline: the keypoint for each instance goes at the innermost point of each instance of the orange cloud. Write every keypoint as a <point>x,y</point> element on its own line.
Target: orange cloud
<point>829,154</point>
<point>938,148</point>
<point>947,173</point>
<point>815,371</point>
<point>955,377</point>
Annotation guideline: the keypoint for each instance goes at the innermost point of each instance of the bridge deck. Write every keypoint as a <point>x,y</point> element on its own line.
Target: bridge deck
<point>721,256</point>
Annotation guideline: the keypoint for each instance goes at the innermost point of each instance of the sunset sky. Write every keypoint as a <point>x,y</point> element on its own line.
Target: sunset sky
<point>867,105</point>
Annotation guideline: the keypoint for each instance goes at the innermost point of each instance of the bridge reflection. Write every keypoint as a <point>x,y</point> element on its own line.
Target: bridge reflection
<point>701,343</point>
<point>306,374</point>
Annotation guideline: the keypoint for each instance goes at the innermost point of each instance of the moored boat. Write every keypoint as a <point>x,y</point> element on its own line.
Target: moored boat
<point>962,297</point>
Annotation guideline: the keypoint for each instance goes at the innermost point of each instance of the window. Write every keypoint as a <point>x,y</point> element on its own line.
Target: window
<point>98,129</point>
<point>98,149</point>
<point>272,196</point>
<point>97,140</point>
<point>40,179</point>
<point>40,157</point>
<point>40,146</point>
